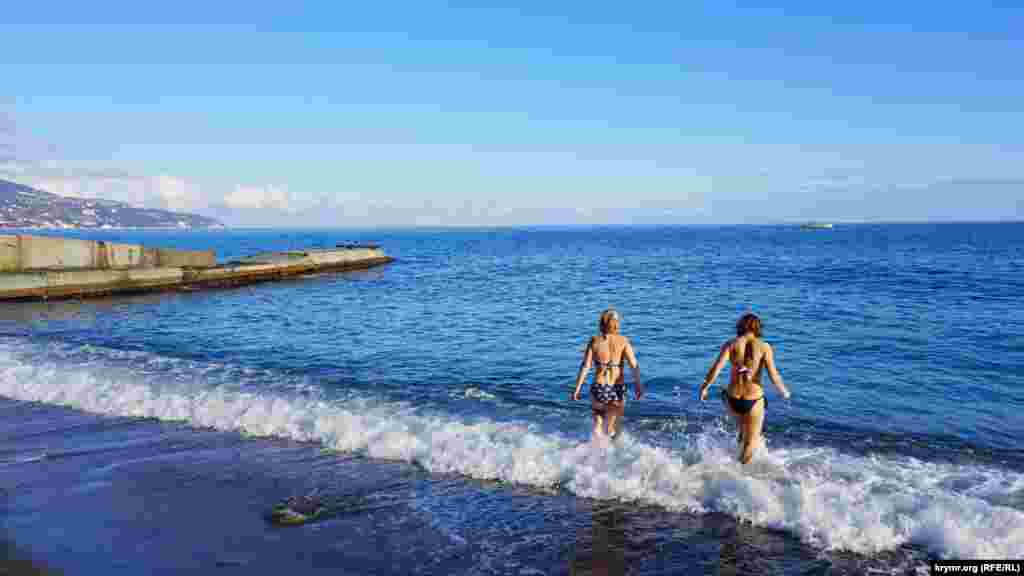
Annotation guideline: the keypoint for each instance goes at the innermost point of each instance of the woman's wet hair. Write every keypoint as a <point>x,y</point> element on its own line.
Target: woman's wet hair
<point>609,322</point>
<point>749,323</point>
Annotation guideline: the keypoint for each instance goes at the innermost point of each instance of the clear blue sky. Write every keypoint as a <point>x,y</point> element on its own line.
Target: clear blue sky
<point>547,112</point>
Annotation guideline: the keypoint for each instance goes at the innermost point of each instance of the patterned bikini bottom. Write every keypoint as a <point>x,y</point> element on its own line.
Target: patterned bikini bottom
<point>608,393</point>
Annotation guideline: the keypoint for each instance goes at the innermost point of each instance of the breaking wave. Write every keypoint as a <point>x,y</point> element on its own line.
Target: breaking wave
<point>828,498</point>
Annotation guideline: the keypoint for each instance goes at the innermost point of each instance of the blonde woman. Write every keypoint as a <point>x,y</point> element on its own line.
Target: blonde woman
<point>744,397</point>
<point>608,352</point>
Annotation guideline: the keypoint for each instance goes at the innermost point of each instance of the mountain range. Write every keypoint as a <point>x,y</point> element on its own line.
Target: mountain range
<point>26,207</point>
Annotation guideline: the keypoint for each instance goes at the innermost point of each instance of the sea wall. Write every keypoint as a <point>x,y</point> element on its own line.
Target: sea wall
<point>341,258</point>
<point>34,267</point>
<point>25,253</point>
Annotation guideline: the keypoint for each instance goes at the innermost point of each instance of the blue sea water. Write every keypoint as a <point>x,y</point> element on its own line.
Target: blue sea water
<point>428,401</point>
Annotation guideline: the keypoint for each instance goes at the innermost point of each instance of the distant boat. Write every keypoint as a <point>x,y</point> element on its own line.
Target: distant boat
<point>817,226</point>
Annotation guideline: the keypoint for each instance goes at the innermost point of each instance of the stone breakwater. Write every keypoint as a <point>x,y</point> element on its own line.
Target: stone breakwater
<point>40,268</point>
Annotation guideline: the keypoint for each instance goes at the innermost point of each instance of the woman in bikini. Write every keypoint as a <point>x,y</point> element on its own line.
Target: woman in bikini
<point>606,353</point>
<point>744,397</point>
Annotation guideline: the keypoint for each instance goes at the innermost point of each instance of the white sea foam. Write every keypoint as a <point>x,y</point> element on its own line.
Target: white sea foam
<point>476,393</point>
<point>828,498</point>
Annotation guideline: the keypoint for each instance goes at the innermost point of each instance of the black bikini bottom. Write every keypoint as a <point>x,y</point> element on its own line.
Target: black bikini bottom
<point>741,405</point>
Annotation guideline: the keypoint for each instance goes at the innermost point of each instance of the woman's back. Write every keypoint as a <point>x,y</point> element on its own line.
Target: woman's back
<point>609,350</point>
<point>747,355</point>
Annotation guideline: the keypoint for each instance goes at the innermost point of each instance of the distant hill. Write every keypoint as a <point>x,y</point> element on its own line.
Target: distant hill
<point>25,207</point>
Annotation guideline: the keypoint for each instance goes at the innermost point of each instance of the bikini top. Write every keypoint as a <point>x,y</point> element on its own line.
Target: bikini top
<point>741,370</point>
<point>609,364</point>
<point>744,370</point>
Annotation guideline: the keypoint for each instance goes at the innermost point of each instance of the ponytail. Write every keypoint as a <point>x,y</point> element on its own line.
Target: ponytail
<point>746,372</point>
<point>749,323</point>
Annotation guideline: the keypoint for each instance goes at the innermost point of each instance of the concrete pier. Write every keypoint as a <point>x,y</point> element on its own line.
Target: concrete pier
<point>40,268</point>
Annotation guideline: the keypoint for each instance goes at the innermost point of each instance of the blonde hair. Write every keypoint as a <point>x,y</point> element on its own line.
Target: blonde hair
<point>609,322</point>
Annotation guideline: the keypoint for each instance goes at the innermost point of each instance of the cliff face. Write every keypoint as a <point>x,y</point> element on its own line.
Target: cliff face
<point>25,207</point>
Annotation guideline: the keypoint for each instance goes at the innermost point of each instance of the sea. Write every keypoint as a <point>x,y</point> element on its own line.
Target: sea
<point>425,405</point>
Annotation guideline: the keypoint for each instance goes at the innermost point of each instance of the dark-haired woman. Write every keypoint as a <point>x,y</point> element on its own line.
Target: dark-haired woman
<point>608,353</point>
<point>748,356</point>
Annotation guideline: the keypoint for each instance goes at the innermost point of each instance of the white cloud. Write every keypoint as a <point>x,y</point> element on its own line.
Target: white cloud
<point>258,197</point>
<point>58,185</point>
<point>35,162</point>
<point>242,204</point>
<point>177,193</point>
<point>163,191</point>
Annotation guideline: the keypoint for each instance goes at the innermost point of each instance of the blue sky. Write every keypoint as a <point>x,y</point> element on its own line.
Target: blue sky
<point>457,113</point>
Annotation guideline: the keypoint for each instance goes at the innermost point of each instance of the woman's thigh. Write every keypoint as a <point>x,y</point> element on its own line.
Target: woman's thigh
<point>755,419</point>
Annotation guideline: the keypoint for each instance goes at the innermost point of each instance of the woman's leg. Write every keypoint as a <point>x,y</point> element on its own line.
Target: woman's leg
<point>736,417</point>
<point>614,413</point>
<point>599,411</point>
<point>753,421</point>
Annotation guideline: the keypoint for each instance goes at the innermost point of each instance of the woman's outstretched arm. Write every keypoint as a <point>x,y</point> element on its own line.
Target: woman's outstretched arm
<point>712,375</point>
<point>588,361</point>
<point>773,372</point>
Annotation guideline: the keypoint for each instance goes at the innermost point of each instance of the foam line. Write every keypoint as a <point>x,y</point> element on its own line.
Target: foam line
<point>830,499</point>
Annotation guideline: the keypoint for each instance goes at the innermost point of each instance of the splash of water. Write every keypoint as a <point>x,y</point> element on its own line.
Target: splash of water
<point>828,498</point>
